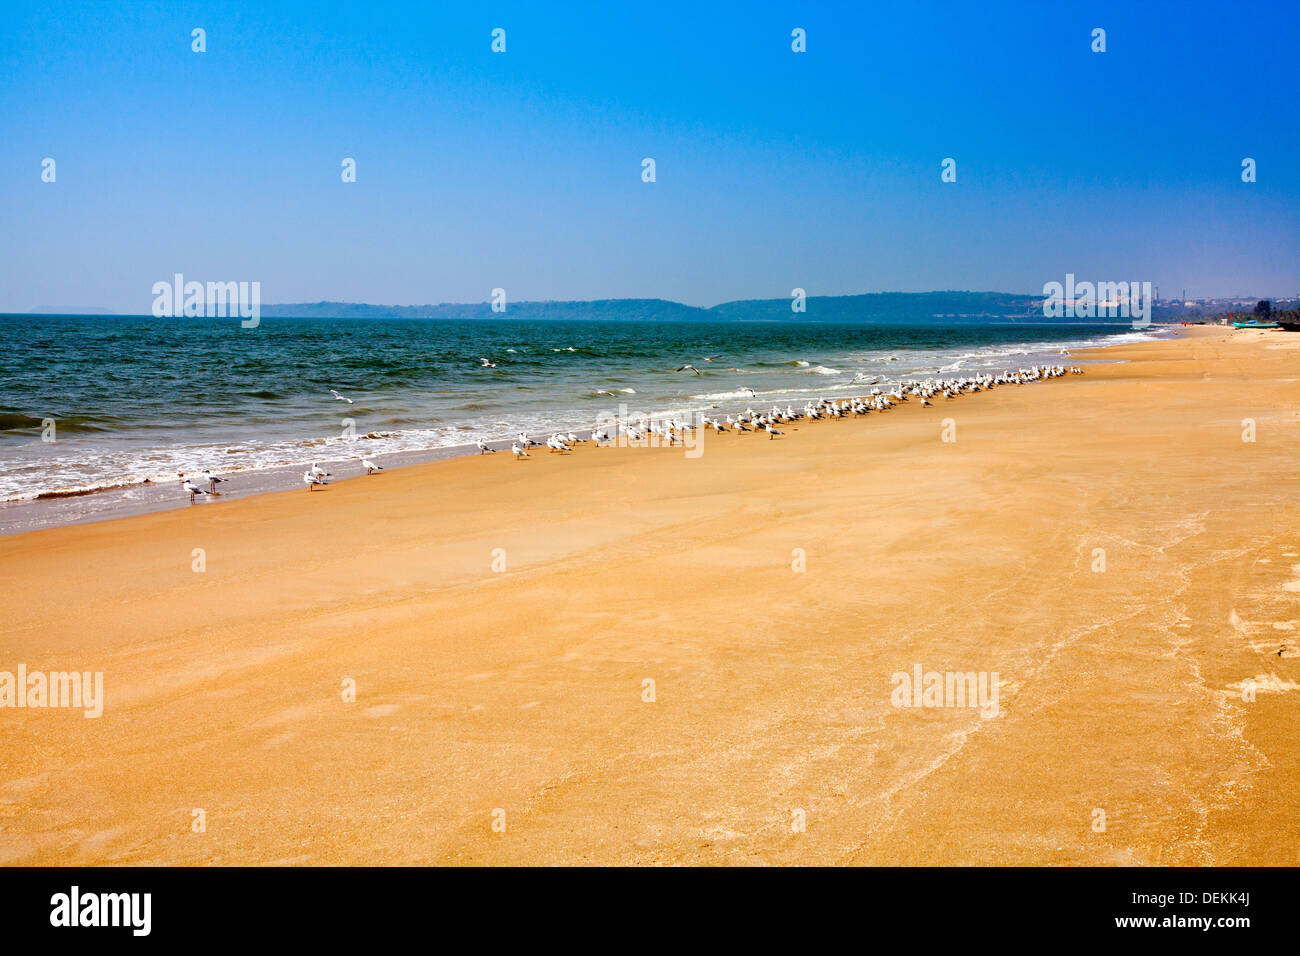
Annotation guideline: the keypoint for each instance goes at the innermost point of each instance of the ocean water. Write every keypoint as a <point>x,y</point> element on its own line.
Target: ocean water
<point>137,400</point>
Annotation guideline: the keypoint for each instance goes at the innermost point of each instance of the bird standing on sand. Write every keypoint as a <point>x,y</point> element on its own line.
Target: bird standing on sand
<point>370,466</point>
<point>483,448</point>
<point>341,398</point>
<point>213,481</point>
<point>318,471</point>
<point>191,488</point>
<point>311,481</point>
<point>518,452</point>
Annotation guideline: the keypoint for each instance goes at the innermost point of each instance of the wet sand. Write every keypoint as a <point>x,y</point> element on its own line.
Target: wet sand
<point>516,696</point>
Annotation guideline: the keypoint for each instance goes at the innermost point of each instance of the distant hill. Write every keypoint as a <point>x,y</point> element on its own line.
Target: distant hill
<point>902,307</point>
<point>890,307</point>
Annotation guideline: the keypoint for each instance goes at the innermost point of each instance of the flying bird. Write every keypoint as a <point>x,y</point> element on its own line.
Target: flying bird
<point>341,398</point>
<point>487,364</point>
<point>691,368</point>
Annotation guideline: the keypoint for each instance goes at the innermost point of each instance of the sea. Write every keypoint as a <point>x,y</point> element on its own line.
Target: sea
<point>99,414</point>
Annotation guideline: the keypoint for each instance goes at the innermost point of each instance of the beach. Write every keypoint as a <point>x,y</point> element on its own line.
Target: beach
<point>629,656</point>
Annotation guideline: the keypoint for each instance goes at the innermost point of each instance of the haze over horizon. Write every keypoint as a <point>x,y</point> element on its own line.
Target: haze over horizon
<point>523,169</point>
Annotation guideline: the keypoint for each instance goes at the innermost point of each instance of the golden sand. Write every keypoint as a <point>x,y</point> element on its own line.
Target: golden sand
<point>518,696</point>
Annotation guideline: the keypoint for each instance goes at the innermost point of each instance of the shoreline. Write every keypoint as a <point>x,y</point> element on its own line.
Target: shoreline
<point>77,506</point>
<point>373,674</point>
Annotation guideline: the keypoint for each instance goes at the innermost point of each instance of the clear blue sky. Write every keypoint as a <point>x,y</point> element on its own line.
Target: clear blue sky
<point>523,170</point>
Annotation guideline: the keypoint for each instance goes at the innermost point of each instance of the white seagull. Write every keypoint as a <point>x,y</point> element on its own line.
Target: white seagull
<point>341,398</point>
<point>370,466</point>
<point>483,448</point>
<point>213,481</point>
<point>691,368</point>
<point>487,364</point>
<point>318,471</point>
<point>191,488</point>
<point>518,452</point>
<point>311,481</point>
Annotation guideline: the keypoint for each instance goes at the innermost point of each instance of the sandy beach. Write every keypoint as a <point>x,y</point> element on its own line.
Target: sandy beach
<point>1108,544</point>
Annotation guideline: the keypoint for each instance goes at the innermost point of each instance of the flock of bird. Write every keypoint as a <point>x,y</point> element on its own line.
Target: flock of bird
<point>672,431</point>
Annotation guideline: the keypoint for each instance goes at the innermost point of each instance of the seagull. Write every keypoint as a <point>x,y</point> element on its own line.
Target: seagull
<point>487,364</point>
<point>752,393</point>
<point>312,480</point>
<point>712,357</point>
<point>518,452</point>
<point>213,481</point>
<point>191,488</point>
<point>691,368</point>
<point>370,466</point>
<point>771,432</point>
<point>601,391</point>
<point>318,471</point>
<point>483,448</point>
<point>341,398</point>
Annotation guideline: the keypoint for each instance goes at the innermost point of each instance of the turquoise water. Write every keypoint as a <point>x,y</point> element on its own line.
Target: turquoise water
<point>144,398</point>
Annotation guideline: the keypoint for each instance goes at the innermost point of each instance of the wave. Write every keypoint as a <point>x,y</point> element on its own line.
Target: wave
<point>13,422</point>
<point>17,422</point>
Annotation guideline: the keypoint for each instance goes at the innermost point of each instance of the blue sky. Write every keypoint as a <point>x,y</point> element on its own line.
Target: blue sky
<point>523,170</point>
